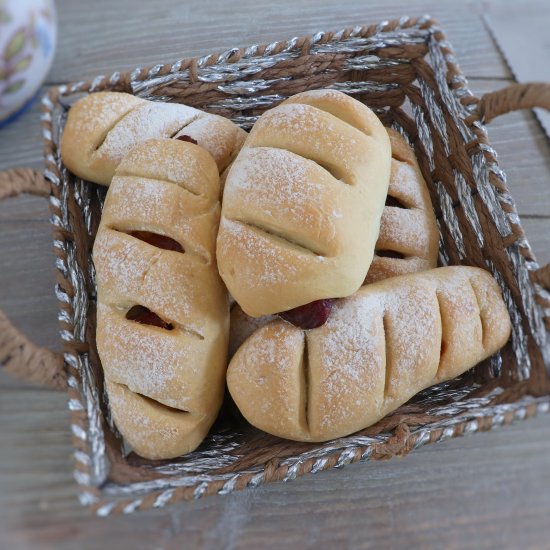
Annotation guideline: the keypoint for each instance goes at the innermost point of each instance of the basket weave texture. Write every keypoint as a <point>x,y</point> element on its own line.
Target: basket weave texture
<point>404,70</point>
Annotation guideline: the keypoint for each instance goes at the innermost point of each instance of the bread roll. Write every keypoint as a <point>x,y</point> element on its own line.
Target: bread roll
<point>302,203</point>
<point>103,127</point>
<point>162,313</point>
<point>409,238</point>
<point>378,349</point>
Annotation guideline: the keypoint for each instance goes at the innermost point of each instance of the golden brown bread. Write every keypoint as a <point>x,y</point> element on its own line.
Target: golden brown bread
<point>103,127</point>
<point>302,203</point>
<point>409,238</point>
<point>378,348</point>
<point>165,383</point>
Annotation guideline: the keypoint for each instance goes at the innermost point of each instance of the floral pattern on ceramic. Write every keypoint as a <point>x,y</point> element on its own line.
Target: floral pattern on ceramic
<point>28,32</point>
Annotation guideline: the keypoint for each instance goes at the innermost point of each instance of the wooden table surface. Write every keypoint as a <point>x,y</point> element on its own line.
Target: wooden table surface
<point>488,490</point>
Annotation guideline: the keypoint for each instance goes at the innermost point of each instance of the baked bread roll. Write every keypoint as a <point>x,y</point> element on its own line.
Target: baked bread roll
<point>302,203</point>
<point>378,348</point>
<point>162,311</point>
<point>409,238</point>
<point>103,127</point>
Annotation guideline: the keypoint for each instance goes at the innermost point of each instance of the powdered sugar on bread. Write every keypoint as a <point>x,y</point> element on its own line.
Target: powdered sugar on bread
<point>378,348</point>
<point>409,229</point>
<point>180,364</point>
<point>103,127</point>
<point>302,203</point>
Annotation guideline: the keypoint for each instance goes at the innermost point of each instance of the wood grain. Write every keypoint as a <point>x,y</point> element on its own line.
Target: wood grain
<point>176,29</point>
<point>484,491</point>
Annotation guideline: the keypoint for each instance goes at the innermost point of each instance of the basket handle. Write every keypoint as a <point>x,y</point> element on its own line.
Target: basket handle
<point>18,355</point>
<point>514,98</point>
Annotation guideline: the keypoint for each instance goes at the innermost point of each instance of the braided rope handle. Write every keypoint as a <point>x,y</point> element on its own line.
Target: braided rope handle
<point>18,354</point>
<point>514,98</point>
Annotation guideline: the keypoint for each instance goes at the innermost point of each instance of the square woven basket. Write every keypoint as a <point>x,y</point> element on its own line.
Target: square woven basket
<point>405,71</point>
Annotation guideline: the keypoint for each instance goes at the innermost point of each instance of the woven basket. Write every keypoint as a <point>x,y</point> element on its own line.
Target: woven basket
<point>404,70</point>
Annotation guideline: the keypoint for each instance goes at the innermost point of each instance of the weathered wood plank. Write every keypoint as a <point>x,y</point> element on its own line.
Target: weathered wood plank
<point>21,141</point>
<point>538,235</point>
<point>175,29</point>
<point>27,279</point>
